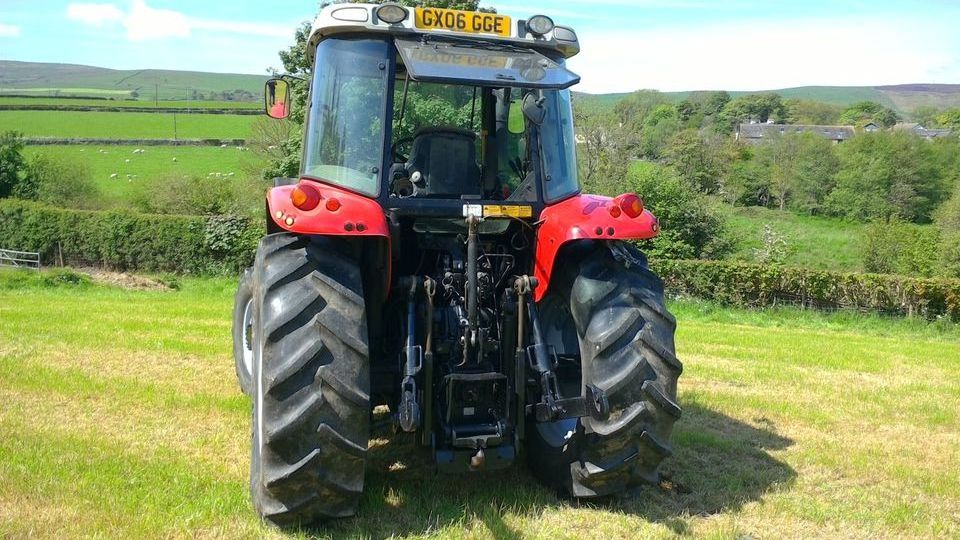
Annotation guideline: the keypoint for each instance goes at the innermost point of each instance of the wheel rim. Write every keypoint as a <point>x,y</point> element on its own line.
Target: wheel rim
<point>248,337</point>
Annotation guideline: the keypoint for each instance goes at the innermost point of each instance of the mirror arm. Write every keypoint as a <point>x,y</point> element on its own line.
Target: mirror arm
<point>289,77</point>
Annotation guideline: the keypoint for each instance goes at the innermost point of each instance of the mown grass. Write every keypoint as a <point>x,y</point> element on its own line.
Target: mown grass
<point>123,125</point>
<point>79,102</point>
<point>154,164</point>
<point>122,418</point>
<point>813,242</point>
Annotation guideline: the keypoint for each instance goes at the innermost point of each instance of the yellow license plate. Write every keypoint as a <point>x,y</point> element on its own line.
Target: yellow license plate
<point>508,211</point>
<point>468,22</point>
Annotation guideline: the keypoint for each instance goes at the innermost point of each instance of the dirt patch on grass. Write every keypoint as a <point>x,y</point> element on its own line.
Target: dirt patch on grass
<point>124,280</point>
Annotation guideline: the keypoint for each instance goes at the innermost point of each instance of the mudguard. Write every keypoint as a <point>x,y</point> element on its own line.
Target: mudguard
<point>583,217</point>
<point>354,215</point>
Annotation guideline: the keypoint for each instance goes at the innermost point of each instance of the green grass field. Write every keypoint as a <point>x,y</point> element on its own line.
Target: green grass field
<point>70,91</point>
<point>814,242</point>
<point>114,125</point>
<point>155,163</point>
<point>51,101</point>
<point>121,418</point>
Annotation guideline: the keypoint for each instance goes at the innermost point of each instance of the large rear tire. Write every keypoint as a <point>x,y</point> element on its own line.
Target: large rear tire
<point>312,381</point>
<point>243,332</point>
<point>610,300</point>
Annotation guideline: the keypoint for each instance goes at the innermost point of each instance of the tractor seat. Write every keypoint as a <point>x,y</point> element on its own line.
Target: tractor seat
<point>447,158</point>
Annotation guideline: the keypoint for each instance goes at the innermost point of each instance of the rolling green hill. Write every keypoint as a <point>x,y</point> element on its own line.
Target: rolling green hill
<point>902,98</point>
<point>45,79</point>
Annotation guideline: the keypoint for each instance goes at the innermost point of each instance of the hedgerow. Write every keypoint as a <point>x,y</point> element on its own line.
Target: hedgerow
<point>226,244</point>
<point>755,285</point>
<point>124,240</point>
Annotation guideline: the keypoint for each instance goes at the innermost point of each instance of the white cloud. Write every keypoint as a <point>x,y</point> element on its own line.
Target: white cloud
<point>94,14</point>
<point>144,23</point>
<point>767,55</point>
<point>9,31</point>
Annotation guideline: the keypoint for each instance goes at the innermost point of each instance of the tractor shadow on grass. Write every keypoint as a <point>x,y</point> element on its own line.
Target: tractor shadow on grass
<point>719,464</point>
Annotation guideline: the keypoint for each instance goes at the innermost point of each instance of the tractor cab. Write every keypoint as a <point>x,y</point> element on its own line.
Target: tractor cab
<point>430,109</point>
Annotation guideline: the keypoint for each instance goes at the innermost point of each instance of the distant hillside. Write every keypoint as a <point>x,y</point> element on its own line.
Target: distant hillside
<point>903,98</point>
<point>33,78</point>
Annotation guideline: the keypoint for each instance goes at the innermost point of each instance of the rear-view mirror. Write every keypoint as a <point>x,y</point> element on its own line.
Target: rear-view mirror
<point>277,97</point>
<point>533,108</point>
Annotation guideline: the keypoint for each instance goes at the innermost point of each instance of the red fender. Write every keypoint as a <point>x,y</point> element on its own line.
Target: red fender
<point>340,213</point>
<point>584,217</point>
<point>355,215</point>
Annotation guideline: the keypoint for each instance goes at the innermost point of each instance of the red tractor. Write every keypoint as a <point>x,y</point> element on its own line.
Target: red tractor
<point>436,257</point>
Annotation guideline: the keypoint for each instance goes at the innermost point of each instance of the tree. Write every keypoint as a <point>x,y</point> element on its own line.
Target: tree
<point>633,110</point>
<point>864,112</point>
<point>693,160</point>
<point>801,168</point>
<point>926,116</point>
<point>716,102</point>
<point>805,111</point>
<point>949,118</point>
<point>887,175</point>
<point>948,223</point>
<point>60,182</point>
<point>701,109</point>
<point>752,107</point>
<point>604,152</point>
<point>748,183</point>
<point>658,127</point>
<point>690,226</point>
<point>11,162</point>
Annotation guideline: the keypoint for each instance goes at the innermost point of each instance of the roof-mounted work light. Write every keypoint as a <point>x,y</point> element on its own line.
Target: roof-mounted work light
<point>392,13</point>
<point>540,25</point>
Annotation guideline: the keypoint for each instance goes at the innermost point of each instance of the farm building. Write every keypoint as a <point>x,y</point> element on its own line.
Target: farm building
<point>921,131</point>
<point>756,133</point>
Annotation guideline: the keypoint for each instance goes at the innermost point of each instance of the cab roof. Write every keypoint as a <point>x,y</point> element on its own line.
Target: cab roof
<point>362,18</point>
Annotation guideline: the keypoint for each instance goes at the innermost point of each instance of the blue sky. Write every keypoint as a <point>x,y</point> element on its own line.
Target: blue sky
<point>627,44</point>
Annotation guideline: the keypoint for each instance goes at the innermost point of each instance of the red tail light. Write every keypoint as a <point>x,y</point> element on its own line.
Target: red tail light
<point>631,205</point>
<point>305,197</point>
<point>333,205</point>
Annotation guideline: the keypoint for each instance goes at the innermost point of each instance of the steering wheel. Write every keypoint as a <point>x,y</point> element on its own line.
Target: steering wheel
<point>394,150</point>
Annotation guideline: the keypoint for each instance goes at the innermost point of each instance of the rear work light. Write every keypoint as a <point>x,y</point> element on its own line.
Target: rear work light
<point>305,197</point>
<point>630,204</point>
<point>392,13</point>
<point>540,25</point>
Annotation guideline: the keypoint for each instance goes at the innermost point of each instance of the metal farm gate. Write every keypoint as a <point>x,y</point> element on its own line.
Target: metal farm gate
<point>19,259</point>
